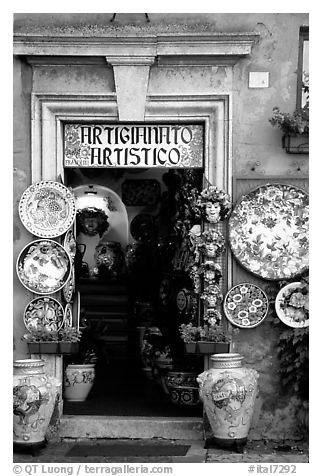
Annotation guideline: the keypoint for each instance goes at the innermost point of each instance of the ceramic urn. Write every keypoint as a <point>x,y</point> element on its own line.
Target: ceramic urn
<point>228,391</point>
<point>34,395</point>
<point>78,381</point>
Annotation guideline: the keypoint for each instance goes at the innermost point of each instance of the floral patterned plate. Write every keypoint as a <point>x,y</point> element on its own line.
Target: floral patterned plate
<point>246,305</point>
<point>69,288</point>
<point>43,266</point>
<point>44,313</point>
<point>47,209</point>
<point>292,304</point>
<point>70,244</point>
<point>68,316</point>
<point>268,231</point>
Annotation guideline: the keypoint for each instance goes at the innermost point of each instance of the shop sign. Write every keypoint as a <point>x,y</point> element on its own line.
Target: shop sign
<point>134,146</point>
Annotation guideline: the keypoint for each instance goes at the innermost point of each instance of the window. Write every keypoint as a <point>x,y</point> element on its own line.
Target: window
<point>303,68</point>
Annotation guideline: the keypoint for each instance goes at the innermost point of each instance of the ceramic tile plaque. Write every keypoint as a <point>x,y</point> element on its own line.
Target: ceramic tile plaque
<point>134,146</point>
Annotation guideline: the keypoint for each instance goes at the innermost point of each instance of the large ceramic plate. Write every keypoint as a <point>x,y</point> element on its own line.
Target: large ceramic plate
<point>43,266</point>
<point>70,244</point>
<point>246,305</point>
<point>268,231</point>
<point>69,288</point>
<point>44,313</point>
<point>47,209</point>
<point>68,316</point>
<point>292,304</point>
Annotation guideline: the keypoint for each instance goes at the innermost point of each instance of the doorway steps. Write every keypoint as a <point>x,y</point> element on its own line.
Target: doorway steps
<point>169,428</point>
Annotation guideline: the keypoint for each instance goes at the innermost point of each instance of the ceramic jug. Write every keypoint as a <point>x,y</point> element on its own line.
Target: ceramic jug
<point>228,391</point>
<point>34,394</point>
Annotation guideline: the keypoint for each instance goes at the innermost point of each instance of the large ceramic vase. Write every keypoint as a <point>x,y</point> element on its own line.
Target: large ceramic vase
<point>228,391</point>
<point>78,381</point>
<point>34,395</point>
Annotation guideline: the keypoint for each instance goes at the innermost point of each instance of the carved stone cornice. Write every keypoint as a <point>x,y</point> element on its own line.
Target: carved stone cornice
<point>173,46</point>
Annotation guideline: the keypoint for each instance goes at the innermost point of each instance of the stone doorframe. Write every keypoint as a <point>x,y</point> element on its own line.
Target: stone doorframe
<point>51,111</point>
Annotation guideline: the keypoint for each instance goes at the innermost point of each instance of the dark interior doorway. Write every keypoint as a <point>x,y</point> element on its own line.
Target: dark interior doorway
<point>122,310</point>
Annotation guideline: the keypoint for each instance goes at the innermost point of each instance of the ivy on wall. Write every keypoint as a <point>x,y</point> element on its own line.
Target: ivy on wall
<point>292,348</point>
<point>293,353</point>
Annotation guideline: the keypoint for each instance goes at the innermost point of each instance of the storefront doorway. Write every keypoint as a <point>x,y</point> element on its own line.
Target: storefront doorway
<point>129,270</point>
<point>210,164</point>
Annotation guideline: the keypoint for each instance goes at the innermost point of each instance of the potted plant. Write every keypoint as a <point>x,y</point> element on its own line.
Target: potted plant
<point>43,341</point>
<point>189,334</point>
<point>295,128</point>
<point>214,339</point>
<point>69,338</point>
<point>79,376</point>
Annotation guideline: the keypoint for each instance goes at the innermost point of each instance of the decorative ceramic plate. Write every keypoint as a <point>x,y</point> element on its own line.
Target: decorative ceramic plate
<point>43,266</point>
<point>44,313</point>
<point>70,244</point>
<point>269,231</point>
<point>142,227</point>
<point>292,304</point>
<point>47,209</point>
<point>69,288</point>
<point>246,305</point>
<point>68,316</point>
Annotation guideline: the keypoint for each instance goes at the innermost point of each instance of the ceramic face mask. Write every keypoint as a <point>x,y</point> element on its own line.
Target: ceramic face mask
<point>213,212</point>
<point>210,249</point>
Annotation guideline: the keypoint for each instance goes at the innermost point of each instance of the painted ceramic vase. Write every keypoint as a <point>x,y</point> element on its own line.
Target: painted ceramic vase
<point>182,387</point>
<point>228,391</point>
<point>109,258</point>
<point>34,395</point>
<point>78,382</point>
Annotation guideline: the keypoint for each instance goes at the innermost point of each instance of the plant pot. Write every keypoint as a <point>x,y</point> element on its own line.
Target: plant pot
<point>182,387</point>
<point>228,392</point>
<point>78,382</point>
<point>296,143</point>
<point>53,347</point>
<point>204,347</point>
<point>34,394</point>
<point>43,347</point>
<point>190,347</point>
<point>68,347</point>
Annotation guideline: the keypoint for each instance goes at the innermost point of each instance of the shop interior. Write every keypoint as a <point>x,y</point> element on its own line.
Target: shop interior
<point>130,264</point>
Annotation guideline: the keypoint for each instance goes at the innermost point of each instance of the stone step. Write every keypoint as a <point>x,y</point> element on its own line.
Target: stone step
<point>169,428</point>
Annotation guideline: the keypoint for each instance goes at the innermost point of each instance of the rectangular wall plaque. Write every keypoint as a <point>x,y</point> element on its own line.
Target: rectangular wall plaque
<point>134,146</point>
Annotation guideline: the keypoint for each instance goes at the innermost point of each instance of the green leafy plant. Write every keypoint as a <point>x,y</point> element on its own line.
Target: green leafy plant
<point>214,333</point>
<point>293,355</point>
<point>189,333</point>
<point>291,123</point>
<point>69,334</point>
<point>298,121</point>
<point>293,352</point>
<point>41,335</point>
<point>206,332</point>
